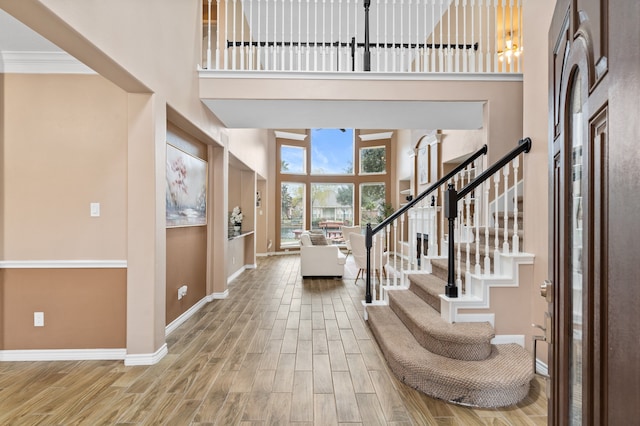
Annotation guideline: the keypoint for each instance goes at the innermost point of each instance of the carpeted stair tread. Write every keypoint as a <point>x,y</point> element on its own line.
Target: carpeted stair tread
<point>500,380</point>
<point>428,287</point>
<point>470,341</point>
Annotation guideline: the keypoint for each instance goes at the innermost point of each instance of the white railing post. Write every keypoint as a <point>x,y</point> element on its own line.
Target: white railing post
<point>505,244</point>
<point>516,238</point>
<point>487,257</point>
<point>496,213</point>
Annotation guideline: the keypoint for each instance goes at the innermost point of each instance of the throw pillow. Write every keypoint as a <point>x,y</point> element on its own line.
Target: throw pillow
<point>318,239</point>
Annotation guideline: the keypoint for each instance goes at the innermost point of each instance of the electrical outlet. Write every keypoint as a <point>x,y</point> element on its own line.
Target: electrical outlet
<point>38,319</point>
<point>182,291</point>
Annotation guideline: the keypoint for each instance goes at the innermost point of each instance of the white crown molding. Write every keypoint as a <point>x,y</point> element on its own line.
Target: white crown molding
<point>41,63</point>
<point>290,135</point>
<point>376,136</point>
<point>63,355</point>
<point>62,264</point>
<point>146,359</point>
<point>185,316</point>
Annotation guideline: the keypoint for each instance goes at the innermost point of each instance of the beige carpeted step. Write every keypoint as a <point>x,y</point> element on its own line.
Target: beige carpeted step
<point>470,341</point>
<point>428,287</point>
<point>500,380</point>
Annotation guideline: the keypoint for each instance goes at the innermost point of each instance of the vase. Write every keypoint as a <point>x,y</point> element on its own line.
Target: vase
<point>236,228</point>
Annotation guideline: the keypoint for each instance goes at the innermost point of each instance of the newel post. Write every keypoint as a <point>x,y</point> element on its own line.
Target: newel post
<point>368,243</point>
<point>451,212</point>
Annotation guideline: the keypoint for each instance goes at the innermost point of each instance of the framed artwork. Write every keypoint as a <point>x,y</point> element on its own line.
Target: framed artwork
<point>423,165</point>
<point>186,195</point>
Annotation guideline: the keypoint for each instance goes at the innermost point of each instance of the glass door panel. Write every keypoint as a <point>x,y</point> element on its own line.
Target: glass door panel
<point>292,213</point>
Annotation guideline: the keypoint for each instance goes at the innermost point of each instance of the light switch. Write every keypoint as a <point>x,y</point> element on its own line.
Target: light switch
<point>95,209</point>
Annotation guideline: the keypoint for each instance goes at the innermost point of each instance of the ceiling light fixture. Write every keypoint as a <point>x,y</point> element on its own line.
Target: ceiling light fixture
<point>511,50</point>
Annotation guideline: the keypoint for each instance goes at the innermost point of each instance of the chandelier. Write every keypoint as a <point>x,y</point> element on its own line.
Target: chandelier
<point>510,51</point>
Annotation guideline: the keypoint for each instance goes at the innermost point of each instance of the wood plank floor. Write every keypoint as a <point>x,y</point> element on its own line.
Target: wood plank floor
<point>277,351</point>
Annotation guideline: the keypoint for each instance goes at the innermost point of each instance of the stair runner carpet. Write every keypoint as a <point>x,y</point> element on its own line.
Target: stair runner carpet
<point>453,362</point>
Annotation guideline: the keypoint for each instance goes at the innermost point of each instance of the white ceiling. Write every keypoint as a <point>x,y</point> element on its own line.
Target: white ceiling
<point>16,38</point>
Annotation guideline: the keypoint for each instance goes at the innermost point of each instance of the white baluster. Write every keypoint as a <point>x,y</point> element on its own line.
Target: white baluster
<point>457,249</point>
<point>505,244</point>
<point>457,31</point>
<point>291,40</point>
<point>487,259</point>
<point>489,42</point>
<point>516,238</point>
<point>467,226</point>
<point>258,47</point>
<point>386,36</point>
<point>282,48</point>
<point>496,213</point>
<point>241,49</point>
<point>466,52</point>
<point>315,36</point>
<point>480,52</point>
<point>323,38</point>
<point>402,50</point>
<point>339,47</point>
<point>331,56</point>
<point>308,49</point>
<point>402,226</point>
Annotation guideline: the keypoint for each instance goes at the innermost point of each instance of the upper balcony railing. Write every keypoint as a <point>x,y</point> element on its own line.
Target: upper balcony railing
<point>405,36</point>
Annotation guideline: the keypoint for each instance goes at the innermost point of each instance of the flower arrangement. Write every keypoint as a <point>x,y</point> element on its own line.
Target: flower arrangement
<point>236,216</point>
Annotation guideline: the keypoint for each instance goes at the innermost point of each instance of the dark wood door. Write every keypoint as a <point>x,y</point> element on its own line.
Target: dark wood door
<point>594,349</point>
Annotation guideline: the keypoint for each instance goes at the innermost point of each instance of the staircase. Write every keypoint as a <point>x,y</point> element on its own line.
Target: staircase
<point>423,334</point>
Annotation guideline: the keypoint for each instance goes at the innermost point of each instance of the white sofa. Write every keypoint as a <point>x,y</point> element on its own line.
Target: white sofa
<point>320,260</point>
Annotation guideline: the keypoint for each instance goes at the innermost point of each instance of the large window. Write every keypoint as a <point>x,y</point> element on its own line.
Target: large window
<point>329,179</point>
<point>331,151</point>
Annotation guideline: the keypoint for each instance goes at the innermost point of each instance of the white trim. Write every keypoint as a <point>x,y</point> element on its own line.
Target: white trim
<point>360,75</point>
<point>490,318</point>
<point>63,355</point>
<point>541,368</point>
<point>279,253</point>
<point>214,296</point>
<point>239,272</point>
<point>185,316</point>
<point>61,264</point>
<point>502,339</point>
<point>289,135</point>
<point>376,136</point>
<point>373,303</point>
<point>251,266</point>
<point>25,62</point>
<point>146,359</point>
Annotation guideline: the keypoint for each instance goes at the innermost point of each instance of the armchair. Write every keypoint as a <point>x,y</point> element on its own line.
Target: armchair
<point>320,260</point>
<point>378,257</point>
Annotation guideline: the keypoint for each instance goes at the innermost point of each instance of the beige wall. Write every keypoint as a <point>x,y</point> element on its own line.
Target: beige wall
<point>186,246</point>
<point>251,146</point>
<point>186,265</point>
<point>83,308</point>
<point>457,144</point>
<point>62,151</point>
<point>537,16</point>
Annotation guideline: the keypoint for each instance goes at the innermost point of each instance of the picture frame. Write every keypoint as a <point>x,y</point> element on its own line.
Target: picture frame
<point>186,189</point>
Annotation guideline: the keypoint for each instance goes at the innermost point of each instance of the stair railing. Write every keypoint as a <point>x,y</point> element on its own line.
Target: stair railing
<point>460,174</point>
<point>453,212</point>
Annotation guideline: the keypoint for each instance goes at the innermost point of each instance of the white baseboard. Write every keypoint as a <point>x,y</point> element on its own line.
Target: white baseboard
<point>239,272</point>
<point>63,354</point>
<point>542,368</point>
<point>502,339</point>
<point>185,316</point>
<point>146,359</point>
<point>214,296</point>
